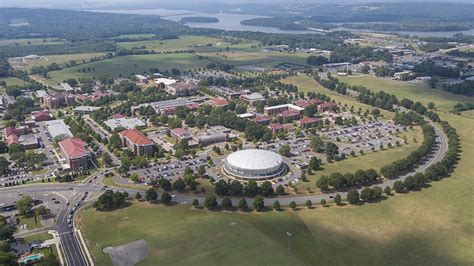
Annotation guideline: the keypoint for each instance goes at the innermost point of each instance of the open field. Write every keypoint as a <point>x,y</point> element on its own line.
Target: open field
<point>13,81</point>
<point>197,43</point>
<point>369,160</point>
<point>126,65</point>
<point>61,60</point>
<point>431,227</point>
<point>238,58</point>
<point>417,91</point>
<point>306,84</point>
<point>27,42</point>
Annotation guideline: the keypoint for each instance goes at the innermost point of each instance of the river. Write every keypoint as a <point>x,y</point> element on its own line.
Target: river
<point>232,22</point>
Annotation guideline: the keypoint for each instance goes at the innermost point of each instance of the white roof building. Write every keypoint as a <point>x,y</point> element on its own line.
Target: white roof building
<point>125,122</point>
<point>58,128</point>
<point>254,164</point>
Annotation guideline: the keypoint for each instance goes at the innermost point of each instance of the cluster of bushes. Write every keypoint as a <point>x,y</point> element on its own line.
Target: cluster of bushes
<point>110,200</point>
<point>251,189</point>
<point>338,181</point>
<point>401,166</point>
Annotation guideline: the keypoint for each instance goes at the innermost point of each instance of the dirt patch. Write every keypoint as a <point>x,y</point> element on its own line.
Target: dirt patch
<point>128,254</point>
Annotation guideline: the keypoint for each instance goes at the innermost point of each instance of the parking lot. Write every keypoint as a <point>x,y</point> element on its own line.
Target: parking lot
<point>365,137</point>
<point>171,170</point>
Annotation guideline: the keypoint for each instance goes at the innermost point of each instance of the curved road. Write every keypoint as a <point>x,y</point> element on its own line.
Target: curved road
<point>73,250</point>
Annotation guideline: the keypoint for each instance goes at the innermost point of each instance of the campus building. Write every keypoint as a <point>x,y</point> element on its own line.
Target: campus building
<point>75,152</point>
<point>137,142</point>
<point>254,164</point>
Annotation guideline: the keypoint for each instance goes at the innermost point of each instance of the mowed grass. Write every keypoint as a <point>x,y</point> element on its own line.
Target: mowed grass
<point>434,226</point>
<point>415,90</point>
<point>197,43</point>
<point>27,42</point>
<point>238,58</point>
<point>126,65</point>
<point>61,60</point>
<point>307,84</point>
<point>369,160</point>
<point>13,81</point>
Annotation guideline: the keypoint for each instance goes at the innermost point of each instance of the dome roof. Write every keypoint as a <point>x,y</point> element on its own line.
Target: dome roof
<point>254,159</point>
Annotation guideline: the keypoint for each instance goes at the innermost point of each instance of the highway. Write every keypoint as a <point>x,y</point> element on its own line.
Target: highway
<point>72,249</point>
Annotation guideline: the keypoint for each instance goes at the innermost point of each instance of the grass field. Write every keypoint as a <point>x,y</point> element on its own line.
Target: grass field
<point>27,42</point>
<point>369,160</point>
<point>238,58</point>
<point>197,43</point>
<point>126,65</point>
<point>13,81</point>
<point>432,227</point>
<point>61,60</point>
<point>417,91</point>
<point>306,84</point>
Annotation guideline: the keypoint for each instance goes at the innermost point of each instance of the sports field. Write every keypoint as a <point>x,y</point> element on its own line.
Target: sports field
<point>133,64</point>
<point>434,226</point>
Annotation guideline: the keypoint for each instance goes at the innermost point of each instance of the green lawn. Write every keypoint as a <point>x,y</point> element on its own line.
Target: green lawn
<point>197,43</point>
<point>306,84</point>
<point>126,65</point>
<point>369,160</point>
<point>432,227</point>
<point>13,81</point>
<point>27,42</point>
<point>61,60</point>
<point>415,90</point>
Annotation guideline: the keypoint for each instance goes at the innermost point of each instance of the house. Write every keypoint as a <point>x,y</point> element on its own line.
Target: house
<point>182,88</point>
<point>137,142</point>
<point>42,116</point>
<point>307,122</point>
<point>327,106</point>
<point>219,102</point>
<point>181,134</point>
<point>76,154</point>
<point>252,98</point>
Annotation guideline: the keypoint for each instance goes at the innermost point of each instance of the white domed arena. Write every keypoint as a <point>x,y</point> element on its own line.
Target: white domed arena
<point>254,164</point>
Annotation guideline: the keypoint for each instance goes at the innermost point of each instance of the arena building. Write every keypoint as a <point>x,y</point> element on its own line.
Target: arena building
<point>254,164</point>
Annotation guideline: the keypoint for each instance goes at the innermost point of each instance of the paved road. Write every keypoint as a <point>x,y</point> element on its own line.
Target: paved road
<point>73,252</point>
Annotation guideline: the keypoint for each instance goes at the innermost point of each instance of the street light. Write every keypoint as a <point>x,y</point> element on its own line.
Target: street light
<point>289,241</point>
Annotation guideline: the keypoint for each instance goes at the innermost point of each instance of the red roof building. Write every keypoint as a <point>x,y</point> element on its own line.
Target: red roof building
<point>117,116</point>
<point>262,120</point>
<point>275,127</point>
<point>307,122</point>
<point>290,115</point>
<point>13,139</point>
<point>219,102</point>
<point>181,133</point>
<point>316,101</point>
<point>302,103</point>
<point>9,131</point>
<point>137,142</point>
<point>42,116</point>
<point>76,153</point>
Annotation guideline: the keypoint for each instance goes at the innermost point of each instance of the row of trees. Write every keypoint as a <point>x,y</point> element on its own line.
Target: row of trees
<point>110,200</point>
<point>250,189</point>
<point>402,166</point>
<point>338,181</point>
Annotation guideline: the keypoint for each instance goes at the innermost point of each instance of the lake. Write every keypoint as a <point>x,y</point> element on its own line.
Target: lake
<point>231,22</point>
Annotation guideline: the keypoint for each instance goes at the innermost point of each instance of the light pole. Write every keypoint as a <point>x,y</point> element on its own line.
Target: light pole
<point>289,241</point>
